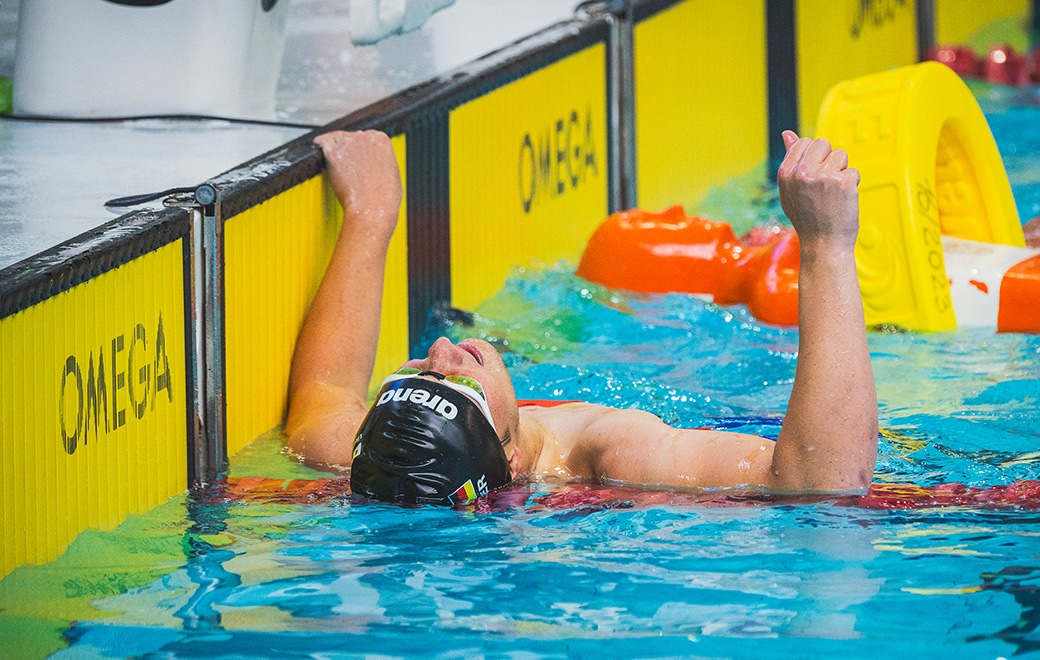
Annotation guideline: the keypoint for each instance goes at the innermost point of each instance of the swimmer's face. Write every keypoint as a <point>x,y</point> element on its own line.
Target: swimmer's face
<point>479,360</point>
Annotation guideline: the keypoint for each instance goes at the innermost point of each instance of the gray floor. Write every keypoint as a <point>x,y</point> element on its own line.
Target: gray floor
<point>55,178</point>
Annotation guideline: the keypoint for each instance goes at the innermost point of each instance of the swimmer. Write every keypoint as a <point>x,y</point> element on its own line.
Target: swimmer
<point>447,427</point>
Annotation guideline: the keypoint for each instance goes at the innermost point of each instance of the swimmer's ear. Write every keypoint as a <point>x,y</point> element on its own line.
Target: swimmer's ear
<point>790,137</point>
<point>516,464</point>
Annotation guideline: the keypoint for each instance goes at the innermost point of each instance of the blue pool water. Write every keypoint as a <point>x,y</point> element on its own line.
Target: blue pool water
<point>546,570</point>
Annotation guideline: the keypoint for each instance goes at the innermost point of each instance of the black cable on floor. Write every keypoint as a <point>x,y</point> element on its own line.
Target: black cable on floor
<point>134,200</point>
<point>175,117</point>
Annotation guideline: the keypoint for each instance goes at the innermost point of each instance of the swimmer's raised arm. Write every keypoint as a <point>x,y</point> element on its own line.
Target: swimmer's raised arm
<point>829,438</point>
<point>336,349</point>
<point>828,442</point>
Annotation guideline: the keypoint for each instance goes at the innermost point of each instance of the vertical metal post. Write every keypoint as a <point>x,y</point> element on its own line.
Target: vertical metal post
<point>1034,37</point>
<point>781,78</point>
<point>925,28</point>
<point>211,454</point>
<point>197,433</point>
<point>620,101</point>
<point>626,103</point>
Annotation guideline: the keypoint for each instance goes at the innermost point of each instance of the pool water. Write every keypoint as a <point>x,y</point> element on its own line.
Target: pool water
<point>941,560</point>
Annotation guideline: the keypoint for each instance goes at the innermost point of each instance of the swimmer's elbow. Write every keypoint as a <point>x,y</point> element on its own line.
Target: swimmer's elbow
<point>856,483</point>
<point>319,453</point>
<point>805,471</point>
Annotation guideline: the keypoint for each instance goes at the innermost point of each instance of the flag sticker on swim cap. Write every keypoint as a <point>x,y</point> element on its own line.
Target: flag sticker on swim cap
<point>465,493</point>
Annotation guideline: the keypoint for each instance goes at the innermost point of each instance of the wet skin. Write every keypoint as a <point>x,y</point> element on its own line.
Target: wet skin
<point>828,442</point>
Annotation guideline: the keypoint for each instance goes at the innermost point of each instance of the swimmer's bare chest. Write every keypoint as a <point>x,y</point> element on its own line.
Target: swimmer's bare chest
<point>562,456</point>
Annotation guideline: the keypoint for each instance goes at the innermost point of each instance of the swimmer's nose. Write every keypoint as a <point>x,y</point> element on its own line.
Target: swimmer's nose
<point>444,355</point>
<point>442,345</point>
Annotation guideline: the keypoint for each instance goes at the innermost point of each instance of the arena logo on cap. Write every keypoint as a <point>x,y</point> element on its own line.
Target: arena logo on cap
<point>444,408</point>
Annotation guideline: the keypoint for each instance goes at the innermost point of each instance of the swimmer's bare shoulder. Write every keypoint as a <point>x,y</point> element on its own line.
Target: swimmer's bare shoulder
<point>590,442</point>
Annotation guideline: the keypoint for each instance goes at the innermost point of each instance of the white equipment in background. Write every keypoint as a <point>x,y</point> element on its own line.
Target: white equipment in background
<point>372,20</point>
<point>131,57</point>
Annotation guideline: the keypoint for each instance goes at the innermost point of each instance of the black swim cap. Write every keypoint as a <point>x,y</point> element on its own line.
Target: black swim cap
<point>425,443</point>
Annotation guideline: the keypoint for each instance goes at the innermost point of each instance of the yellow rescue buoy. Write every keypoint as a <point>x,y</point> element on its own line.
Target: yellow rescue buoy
<point>930,168</point>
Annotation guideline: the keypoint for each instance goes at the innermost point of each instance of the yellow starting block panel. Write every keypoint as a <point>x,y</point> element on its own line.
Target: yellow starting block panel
<point>528,173</point>
<point>94,404</point>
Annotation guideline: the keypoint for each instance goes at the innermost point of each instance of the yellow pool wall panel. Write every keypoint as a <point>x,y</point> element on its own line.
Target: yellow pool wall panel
<point>393,321</point>
<point>93,406</point>
<point>841,39</point>
<point>983,24</point>
<point>275,255</point>
<point>528,173</point>
<point>701,107</point>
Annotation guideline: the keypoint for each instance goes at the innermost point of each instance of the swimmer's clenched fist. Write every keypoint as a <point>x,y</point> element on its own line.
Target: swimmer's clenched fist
<point>818,191</point>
